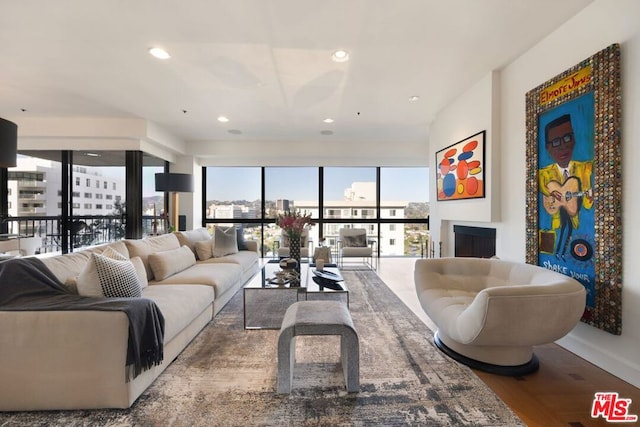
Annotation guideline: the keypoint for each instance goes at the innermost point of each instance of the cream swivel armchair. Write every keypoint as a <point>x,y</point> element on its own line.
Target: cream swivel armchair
<point>353,243</point>
<point>305,243</point>
<point>490,313</point>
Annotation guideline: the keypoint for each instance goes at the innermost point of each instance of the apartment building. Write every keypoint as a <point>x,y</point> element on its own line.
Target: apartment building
<point>359,203</point>
<point>35,186</point>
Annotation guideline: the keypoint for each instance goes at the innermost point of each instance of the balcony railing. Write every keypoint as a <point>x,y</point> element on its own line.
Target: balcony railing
<point>85,230</point>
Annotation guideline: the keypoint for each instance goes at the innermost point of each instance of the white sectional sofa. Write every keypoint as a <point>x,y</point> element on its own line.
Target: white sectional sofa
<point>53,360</point>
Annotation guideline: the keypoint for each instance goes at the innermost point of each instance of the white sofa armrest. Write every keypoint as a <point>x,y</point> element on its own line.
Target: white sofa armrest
<point>560,304</point>
<point>252,245</point>
<point>52,359</point>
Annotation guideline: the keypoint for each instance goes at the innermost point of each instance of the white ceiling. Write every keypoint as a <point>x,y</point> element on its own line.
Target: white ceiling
<point>264,64</point>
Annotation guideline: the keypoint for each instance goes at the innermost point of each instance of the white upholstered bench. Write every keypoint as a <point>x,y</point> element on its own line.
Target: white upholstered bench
<point>318,318</point>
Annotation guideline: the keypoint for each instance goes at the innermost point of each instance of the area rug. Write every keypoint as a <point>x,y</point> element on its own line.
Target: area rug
<point>228,377</point>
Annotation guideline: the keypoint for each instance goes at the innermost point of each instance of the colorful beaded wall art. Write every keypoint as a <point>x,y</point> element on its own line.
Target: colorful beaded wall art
<point>460,169</point>
<point>574,182</point>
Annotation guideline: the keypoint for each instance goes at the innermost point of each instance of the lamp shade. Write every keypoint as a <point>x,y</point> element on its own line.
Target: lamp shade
<point>174,182</point>
<point>8,143</point>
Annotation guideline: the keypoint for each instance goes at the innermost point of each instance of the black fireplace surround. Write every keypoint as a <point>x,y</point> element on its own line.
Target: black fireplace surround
<point>475,242</point>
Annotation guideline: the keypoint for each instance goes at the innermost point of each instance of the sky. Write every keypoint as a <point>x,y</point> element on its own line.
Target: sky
<point>296,183</point>
<point>149,180</point>
<point>301,183</point>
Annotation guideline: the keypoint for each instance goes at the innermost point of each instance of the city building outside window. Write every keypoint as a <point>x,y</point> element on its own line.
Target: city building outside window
<point>349,196</point>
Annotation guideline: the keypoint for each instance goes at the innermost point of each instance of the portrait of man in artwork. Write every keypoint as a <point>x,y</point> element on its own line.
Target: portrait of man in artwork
<point>565,184</point>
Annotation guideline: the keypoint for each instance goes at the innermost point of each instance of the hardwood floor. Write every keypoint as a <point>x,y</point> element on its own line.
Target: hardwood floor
<point>560,393</point>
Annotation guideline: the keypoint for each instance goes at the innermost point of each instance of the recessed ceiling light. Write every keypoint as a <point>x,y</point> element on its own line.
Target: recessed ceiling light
<point>328,120</point>
<point>223,119</point>
<point>159,53</point>
<point>92,154</point>
<point>414,98</point>
<point>340,56</point>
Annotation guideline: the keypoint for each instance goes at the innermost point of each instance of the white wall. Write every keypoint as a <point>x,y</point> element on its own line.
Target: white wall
<point>472,112</point>
<point>602,23</point>
<point>307,153</point>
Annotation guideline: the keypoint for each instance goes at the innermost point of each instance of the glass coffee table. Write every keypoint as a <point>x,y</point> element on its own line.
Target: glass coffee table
<point>266,302</point>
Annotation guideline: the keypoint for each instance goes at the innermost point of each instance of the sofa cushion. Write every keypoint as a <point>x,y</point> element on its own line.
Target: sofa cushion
<point>71,265</point>
<point>166,263</point>
<point>179,305</point>
<point>222,276</point>
<point>118,278</point>
<point>72,281</point>
<point>204,249</point>
<point>150,245</point>
<point>141,272</point>
<point>225,241</point>
<point>191,237</point>
<point>245,259</point>
<point>88,282</point>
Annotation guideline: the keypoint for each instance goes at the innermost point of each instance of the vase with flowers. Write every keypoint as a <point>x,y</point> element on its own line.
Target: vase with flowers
<point>293,224</point>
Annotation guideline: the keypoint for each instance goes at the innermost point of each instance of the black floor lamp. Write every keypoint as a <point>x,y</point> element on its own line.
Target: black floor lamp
<point>8,143</point>
<point>174,183</point>
<point>8,159</point>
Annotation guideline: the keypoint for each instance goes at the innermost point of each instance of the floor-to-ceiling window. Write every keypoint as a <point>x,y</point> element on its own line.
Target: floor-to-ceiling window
<point>404,196</point>
<point>153,202</point>
<point>350,200</point>
<point>390,203</point>
<point>233,195</point>
<point>289,189</point>
<point>35,197</point>
<point>70,199</point>
<point>98,200</point>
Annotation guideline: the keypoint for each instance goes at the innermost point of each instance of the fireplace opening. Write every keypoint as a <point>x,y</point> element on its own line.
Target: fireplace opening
<point>477,242</point>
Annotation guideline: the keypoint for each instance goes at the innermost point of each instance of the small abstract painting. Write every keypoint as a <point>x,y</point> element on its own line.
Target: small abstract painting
<point>460,169</point>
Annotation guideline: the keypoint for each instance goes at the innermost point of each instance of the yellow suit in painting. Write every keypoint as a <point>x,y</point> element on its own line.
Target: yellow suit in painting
<point>553,174</point>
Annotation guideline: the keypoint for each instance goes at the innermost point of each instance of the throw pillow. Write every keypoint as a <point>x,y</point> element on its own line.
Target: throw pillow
<point>118,278</point>
<point>149,245</point>
<point>242,245</point>
<point>167,263</point>
<point>359,241</point>
<point>141,271</point>
<point>191,237</point>
<point>225,241</point>
<point>204,249</point>
<point>88,282</point>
